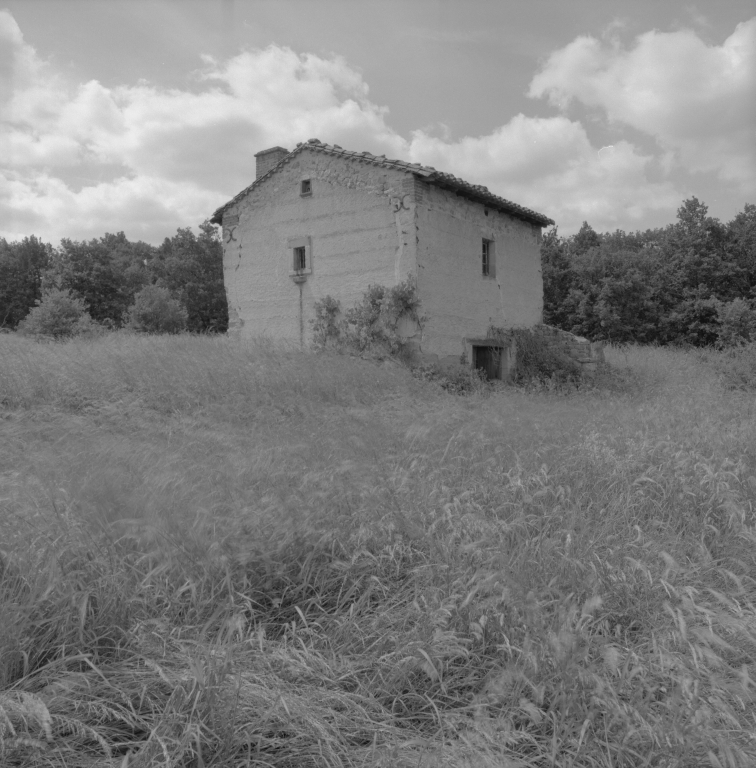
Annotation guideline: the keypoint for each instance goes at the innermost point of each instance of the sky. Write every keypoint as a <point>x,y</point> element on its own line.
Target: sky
<point>143,116</point>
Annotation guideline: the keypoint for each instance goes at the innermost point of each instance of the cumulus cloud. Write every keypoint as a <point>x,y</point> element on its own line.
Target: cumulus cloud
<point>697,100</point>
<point>146,207</point>
<point>81,159</point>
<point>549,164</point>
<point>179,152</point>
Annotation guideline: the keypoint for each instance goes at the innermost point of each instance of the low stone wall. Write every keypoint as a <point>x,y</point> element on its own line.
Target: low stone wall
<point>588,354</point>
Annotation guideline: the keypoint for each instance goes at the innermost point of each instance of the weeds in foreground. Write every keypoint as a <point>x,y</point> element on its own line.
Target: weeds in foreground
<point>457,380</point>
<point>225,567</point>
<point>736,366</point>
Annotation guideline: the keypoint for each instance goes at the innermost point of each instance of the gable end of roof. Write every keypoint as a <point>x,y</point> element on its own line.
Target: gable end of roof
<point>475,192</point>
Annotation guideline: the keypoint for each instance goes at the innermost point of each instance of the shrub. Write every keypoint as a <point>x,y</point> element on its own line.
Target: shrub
<point>327,327</point>
<point>371,324</point>
<point>156,311</point>
<point>537,361</point>
<point>737,367</point>
<point>737,323</point>
<point>58,315</point>
<point>458,380</point>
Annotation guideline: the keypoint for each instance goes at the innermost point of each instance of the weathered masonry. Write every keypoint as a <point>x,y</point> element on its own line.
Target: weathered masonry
<point>321,220</point>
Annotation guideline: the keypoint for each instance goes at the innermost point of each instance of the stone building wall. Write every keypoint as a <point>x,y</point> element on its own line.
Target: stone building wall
<point>588,354</point>
<point>357,228</point>
<point>458,299</point>
<point>576,347</point>
<point>366,224</point>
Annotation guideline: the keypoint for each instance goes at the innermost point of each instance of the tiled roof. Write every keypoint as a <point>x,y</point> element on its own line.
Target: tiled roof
<point>475,192</point>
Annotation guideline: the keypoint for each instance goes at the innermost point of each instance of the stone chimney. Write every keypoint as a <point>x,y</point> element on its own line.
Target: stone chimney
<point>268,158</point>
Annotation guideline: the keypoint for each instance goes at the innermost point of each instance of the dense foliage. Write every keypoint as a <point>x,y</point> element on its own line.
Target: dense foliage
<point>156,311</point>
<point>21,267</point>
<point>191,267</point>
<point>692,282</point>
<point>108,273</point>
<point>58,314</point>
<point>373,323</point>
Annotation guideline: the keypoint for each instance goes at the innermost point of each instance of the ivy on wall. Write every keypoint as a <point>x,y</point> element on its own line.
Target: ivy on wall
<point>372,323</point>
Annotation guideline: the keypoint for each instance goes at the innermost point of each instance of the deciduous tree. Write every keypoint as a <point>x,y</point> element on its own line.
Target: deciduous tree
<point>21,267</point>
<point>191,267</point>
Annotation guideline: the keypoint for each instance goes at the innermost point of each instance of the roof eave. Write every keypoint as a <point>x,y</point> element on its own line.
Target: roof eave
<point>493,201</point>
<point>465,189</point>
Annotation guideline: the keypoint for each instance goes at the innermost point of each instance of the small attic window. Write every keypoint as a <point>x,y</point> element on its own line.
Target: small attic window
<point>300,258</point>
<point>305,187</point>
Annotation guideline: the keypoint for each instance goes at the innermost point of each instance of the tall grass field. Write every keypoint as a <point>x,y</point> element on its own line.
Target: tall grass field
<point>218,554</point>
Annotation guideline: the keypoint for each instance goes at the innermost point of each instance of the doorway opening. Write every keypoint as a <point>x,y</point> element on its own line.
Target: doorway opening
<point>488,360</point>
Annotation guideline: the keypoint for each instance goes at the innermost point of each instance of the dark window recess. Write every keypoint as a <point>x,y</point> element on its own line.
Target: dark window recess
<point>300,258</point>
<point>488,360</point>
<point>486,258</point>
<point>306,187</point>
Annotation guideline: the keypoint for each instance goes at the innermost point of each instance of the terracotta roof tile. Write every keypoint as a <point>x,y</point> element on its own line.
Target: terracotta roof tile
<point>428,173</point>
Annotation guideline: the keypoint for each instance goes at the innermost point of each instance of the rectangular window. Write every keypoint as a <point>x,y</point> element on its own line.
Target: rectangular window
<point>488,260</point>
<point>300,256</point>
<point>306,188</point>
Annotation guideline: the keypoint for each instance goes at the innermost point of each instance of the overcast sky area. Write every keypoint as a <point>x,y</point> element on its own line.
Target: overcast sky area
<point>144,116</point>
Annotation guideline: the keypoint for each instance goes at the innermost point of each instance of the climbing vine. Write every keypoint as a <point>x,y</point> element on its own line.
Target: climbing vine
<point>372,323</point>
<point>326,327</point>
<point>536,359</point>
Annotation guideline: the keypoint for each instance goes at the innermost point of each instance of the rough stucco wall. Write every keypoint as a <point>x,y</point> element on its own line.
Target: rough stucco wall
<point>361,226</point>
<point>457,299</point>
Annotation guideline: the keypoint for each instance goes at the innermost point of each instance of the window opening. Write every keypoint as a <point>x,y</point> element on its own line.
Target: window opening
<point>300,258</point>
<point>306,188</point>
<point>486,258</point>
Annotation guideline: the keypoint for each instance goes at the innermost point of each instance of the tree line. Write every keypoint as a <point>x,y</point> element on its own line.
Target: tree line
<point>110,277</point>
<point>692,282</point>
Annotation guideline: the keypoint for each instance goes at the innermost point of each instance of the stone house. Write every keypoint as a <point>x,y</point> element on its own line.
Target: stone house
<point>321,220</point>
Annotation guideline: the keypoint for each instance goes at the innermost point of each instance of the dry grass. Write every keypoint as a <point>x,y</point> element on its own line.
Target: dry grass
<point>224,555</point>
